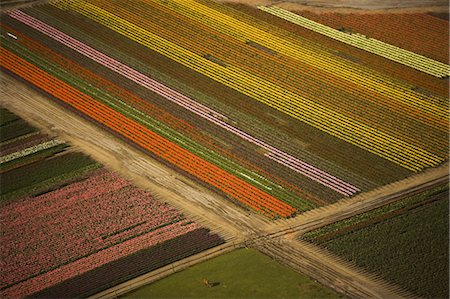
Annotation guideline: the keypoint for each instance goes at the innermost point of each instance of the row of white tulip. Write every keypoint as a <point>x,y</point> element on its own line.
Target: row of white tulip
<point>30,150</point>
<point>408,58</point>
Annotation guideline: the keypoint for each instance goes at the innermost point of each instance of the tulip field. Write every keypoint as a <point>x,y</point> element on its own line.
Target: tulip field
<point>361,41</point>
<point>277,119</point>
<point>68,223</point>
<point>86,225</point>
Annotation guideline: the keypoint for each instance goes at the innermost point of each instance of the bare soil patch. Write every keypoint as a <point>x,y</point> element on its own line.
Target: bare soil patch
<point>354,6</point>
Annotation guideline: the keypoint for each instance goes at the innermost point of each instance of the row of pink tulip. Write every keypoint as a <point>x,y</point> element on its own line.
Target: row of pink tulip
<point>80,266</point>
<point>44,232</point>
<point>275,154</point>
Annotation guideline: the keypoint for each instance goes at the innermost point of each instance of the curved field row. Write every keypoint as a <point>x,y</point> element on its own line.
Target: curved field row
<point>306,52</point>
<point>405,123</point>
<point>411,59</point>
<point>145,138</point>
<point>216,118</point>
<point>359,134</point>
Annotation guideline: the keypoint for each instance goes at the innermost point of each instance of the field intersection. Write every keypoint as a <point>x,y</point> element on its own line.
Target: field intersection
<point>258,123</point>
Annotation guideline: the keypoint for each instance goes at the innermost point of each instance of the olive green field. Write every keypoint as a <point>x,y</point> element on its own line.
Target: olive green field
<point>242,273</point>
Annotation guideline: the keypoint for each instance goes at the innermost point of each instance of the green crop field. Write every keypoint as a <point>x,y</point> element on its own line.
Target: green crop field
<point>243,273</point>
<point>36,171</point>
<point>405,242</point>
<point>12,126</point>
<point>41,174</point>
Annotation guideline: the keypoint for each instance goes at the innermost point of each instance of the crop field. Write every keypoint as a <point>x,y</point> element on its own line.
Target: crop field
<point>234,98</point>
<point>421,33</point>
<point>11,126</point>
<point>72,228</point>
<point>416,255</point>
<point>242,273</point>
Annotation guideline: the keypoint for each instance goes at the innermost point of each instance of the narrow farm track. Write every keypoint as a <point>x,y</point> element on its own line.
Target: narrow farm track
<point>208,208</point>
<point>359,204</point>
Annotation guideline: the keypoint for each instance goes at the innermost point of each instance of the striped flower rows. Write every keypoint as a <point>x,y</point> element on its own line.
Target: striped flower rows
<point>30,150</point>
<point>148,140</point>
<point>232,25</point>
<point>350,130</point>
<point>408,58</point>
<point>65,233</point>
<point>193,106</point>
<point>396,119</point>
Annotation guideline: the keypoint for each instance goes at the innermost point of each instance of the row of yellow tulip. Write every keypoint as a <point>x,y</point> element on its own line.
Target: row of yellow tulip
<point>316,57</point>
<point>410,125</point>
<point>408,58</point>
<point>359,134</point>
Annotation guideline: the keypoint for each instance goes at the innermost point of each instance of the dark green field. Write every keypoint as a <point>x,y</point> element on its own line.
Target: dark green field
<point>243,273</point>
<point>11,126</point>
<point>405,242</point>
<point>40,172</point>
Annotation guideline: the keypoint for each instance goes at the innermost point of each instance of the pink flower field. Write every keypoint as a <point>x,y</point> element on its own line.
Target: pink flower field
<point>56,236</point>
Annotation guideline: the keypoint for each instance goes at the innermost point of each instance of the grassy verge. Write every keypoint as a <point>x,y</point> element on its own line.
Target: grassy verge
<point>409,247</point>
<point>243,273</point>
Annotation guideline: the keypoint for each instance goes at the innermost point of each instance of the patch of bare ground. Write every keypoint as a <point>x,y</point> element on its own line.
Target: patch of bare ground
<point>353,6</point>
<point>239,227</point>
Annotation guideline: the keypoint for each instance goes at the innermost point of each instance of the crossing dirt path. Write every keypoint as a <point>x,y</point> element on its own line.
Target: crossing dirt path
<point>278,239</point>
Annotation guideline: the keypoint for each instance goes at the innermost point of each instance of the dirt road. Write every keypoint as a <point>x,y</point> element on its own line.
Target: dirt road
<point>353,6</point>
<point>361,203</point>
<point>232,222</point>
